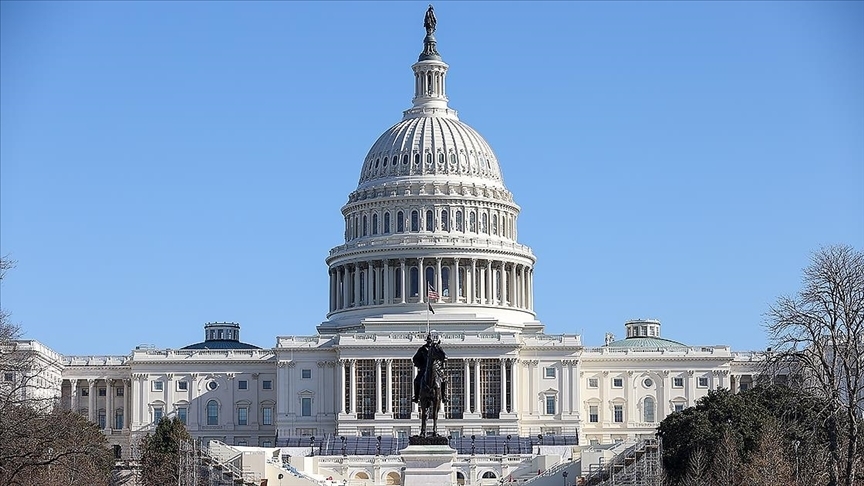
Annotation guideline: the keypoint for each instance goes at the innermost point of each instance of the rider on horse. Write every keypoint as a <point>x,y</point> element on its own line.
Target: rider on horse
<point>420,358</point>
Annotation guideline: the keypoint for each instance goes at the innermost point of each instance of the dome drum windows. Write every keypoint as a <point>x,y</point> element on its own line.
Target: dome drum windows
<point>387,223</point>
<point>375,223</point>
<point>400,222</point>
<point>415,221</point>
<point>445,220</point>
<point>430,220</point>
<point>459,226</point>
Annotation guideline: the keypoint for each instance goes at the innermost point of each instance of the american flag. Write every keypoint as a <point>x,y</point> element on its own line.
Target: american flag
<point>431,293</point>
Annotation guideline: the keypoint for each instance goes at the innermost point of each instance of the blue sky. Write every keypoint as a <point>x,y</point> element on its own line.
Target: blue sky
<point>166,164</point>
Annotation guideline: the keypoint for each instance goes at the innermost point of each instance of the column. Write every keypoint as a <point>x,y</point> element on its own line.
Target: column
<point>353,375</point>
<point>109,404</point>
<point>515,384</point>
<point>388,407</point>
<point>368,297</point>
<point>332,291</point>
<point>127,400</point>
<point>387,283</point>
<point>401,281</point>
<point>73,398</point>
<point>490,292</point>
<point>455,286</point>
<point>346,297</point>
<point>478,400</point>
<point>356,301</point>
<point>472,284</point>
<point>378,386</point>
<point>438,281</point>
<point>466,405</point>
<point>502,285</point>
<point>532,379</point>
<point>565,386</point>
<point>91,400</point>
<point>529,282</point>
<point>421,281</point>
<point>512,287</point>
<point>503,385</point>
<point>340,405</point>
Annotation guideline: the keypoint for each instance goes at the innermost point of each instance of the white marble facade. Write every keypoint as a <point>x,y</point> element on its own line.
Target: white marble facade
<point>430,212</point>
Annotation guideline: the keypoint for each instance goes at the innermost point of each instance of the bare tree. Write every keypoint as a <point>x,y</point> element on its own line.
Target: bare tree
<point>770,463</point>
<point>818,335</point>
<point>698,472</point>
<point>727,461</point>
<point>40,444</point>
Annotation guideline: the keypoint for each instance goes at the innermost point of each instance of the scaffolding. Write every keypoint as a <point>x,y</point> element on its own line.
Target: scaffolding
<point>638,465</point>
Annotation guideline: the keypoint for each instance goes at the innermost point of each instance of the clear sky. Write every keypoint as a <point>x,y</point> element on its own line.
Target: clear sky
<point>166,164</point>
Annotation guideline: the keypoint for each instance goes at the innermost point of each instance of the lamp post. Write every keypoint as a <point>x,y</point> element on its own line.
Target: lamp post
<point>797,443</point>
<point>565,477</point>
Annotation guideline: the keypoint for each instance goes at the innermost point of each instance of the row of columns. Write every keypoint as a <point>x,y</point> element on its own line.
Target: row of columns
<point>92,400</point>
<point>460,219</point>
<point>485,282</point>
<point>384,404</point>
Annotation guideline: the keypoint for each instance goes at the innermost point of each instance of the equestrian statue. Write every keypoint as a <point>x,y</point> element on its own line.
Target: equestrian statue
<point>429,385</point>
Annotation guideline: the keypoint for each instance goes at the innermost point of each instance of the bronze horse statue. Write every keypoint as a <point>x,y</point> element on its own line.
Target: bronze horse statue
<point>431,390</point>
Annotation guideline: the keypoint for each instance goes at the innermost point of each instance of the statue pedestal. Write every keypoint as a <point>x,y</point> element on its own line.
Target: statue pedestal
<point>428,465</point>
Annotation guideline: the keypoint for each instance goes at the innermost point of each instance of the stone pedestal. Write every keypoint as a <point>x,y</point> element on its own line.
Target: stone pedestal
<point>428,465</point>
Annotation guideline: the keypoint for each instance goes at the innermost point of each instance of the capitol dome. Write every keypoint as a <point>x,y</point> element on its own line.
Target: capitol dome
<point>440,147</point>
<point>431,222</point>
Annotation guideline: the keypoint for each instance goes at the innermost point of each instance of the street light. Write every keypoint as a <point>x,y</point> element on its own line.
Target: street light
<point>565,477</point>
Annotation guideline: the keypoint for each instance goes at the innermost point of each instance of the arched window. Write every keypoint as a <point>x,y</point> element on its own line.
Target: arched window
<point>441,158</point>
<point>356,226</point>
<point>430,220</point>
<point>489,475</point>
<point>212,412</point>
<point>494,224</point>
<point>365,225</point>
<point>414,282</point>
<point>400,222</point>
<point>472,222</point>
<point>459,221</point>
<point>461,282</point>
<point>445,282</point>
<point>428,158</point>
<point>404,159</point>
<point>383,166</point>
<point>452,158</point>
<point>484,223</point>
<point>387,223</point>
<point>415,221</point>
<point>430,277</point>
<point>398,283</point>
<point>445,220</point>
<point>375,224</point>
<point>504,226</point>
<point>648,409</point>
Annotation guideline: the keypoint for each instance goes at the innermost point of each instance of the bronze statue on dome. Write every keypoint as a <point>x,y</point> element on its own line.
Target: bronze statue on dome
<point>429,22</point>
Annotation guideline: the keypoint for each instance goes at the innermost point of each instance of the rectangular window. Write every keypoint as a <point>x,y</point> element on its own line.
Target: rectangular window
<point>267,385</point>
<point>679,407</point>
<point>182,385</point>
<point>102,392</point>
<point>454,433</point>
<point>306,374</point>
<point>157,414</point>
<point>119,391</point>
<point>619,413</point>
<point>549,372</point>
<point>101,419</point>
<point>306,407</point>
<point>118,419</point>
<point>593,414</point>
<point>267,416</point>
<point>593,383</point>
<point>617,382</point>
<point>703,382</point>
<point>85,392</point>
<point>242,384</point>
<point>156,386</point>
<point>181,415</point>
<point>242,416</point>
<point>550,405</point>
<point>8,377</point>
<point>744,386</point>
<point>678,382</point>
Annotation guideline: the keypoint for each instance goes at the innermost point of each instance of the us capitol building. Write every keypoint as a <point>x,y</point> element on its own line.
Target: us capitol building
<point>430,212</point>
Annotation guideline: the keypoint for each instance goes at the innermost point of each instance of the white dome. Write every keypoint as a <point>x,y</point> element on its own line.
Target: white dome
<point>431,146</point>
